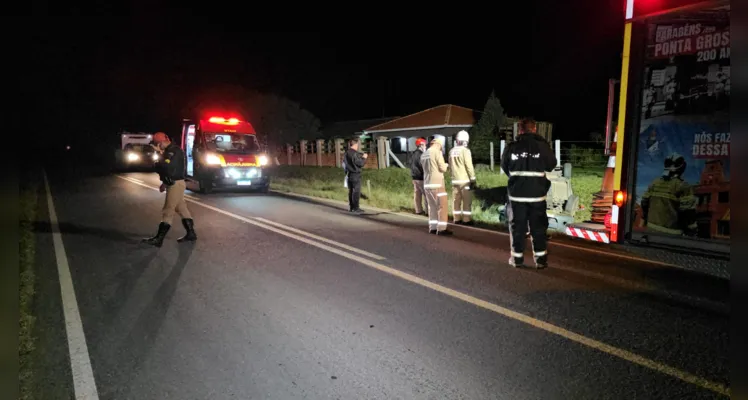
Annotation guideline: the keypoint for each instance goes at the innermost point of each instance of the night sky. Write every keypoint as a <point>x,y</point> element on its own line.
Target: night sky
<point>545,59</point>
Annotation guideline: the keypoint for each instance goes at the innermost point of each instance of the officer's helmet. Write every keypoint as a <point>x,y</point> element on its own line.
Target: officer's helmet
<point>675,164</point>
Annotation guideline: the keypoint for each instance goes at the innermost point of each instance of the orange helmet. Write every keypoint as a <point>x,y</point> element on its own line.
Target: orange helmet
<point>160,137</point>
<point>420,142</point>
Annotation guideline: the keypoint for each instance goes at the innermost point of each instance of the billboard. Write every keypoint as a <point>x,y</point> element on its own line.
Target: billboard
<point>682,185</point>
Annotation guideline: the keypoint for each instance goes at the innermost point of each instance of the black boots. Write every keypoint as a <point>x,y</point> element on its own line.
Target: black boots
<point>158,240</point>
<point>163,229</point>
<point>190,228</point>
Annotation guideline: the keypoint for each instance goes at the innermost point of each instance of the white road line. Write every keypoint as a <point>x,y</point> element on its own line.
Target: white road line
<point>556,330</point>
<point>80,362</point>
<point>322,239</point>
<point>482,230</point>
<point>289,228</point>
<point>141,183</point>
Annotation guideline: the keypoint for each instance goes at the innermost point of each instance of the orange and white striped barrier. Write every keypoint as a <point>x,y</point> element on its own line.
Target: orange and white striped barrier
<point>591,235</point>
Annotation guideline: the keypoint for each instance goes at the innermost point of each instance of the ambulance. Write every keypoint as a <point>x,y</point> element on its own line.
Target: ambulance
<point>223,153</point>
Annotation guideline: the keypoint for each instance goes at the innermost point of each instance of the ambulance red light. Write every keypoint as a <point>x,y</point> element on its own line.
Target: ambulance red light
<point>224,121</point>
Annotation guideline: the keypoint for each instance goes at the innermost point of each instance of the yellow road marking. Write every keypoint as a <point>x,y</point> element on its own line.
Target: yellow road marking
<point>322,239</point>
<point>482,230</point>
<point>550,328</point>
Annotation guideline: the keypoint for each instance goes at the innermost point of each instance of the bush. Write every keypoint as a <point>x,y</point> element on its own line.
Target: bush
<point>392,188</point>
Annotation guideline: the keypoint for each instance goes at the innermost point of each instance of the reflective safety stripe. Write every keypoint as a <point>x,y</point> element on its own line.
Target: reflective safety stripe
<point>527,173</point>
<point>517,255</point>
<point>527,199</point>
<point>461,181</point>
<point>442,223</point>
<point>442,194</point>
<point>432,185</point>
<point>467,187</point>
<point>456,212</point>
<point>467,213</point>
<point>433,222</point>
<point>540,253</point>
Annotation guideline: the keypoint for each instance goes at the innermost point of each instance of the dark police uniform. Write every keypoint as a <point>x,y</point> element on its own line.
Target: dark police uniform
<point>170,169</point>
<point>525,161</point>
<point>354,164</point>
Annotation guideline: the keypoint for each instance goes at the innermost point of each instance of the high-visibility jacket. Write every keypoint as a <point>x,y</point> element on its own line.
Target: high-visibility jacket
<point>669,205</point>
<point>434,168</point>
<point>525,161</point>
<point>461,165</point>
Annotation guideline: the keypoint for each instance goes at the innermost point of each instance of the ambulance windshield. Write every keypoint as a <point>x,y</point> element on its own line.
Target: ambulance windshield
<point>237,143</point>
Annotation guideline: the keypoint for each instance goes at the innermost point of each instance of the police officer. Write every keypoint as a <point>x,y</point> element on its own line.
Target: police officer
<point>170,168</point>
<point>463,179</point>
<point>416,173</point>
<point>354,163</point>
<point>526,161</point>
<point>434,168</point>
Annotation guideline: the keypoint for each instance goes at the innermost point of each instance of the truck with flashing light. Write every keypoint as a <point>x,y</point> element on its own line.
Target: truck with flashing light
<point>665,185</point>
<point>135,151</point>
<point>223,153</point>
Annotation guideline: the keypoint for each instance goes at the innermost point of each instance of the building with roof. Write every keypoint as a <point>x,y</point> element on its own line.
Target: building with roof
<point>348,129</point>
<point>440,121</point>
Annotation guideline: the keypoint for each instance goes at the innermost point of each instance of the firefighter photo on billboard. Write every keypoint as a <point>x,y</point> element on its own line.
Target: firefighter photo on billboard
<point>434,168</point>
<point>170,168</point>
<point>416,174</point>
<point>669,204</point>
<point>525,161</point>
<point>463,179</point>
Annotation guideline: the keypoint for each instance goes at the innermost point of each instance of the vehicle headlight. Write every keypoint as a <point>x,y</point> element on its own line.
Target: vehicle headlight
<point>252,173</point>
<point>155,156</point>
<point>132,157</point>
<point>263,160</point>
<point>212,159</point>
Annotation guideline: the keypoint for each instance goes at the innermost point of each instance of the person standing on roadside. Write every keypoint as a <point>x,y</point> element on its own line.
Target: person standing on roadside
<point>525,161</point>
<point>434,168</point>
<point>416,173</point>
<point>170,168</point>
<point>463,179</point>
<point>354,162</point>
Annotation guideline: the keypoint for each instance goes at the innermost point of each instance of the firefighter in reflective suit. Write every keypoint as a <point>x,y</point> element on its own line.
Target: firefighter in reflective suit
<point>170,168</point>
<point>434,168</point>
<point>525,161</point>
<point>463,179</point>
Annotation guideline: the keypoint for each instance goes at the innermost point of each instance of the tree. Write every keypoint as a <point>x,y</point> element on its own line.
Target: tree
<point>487,129</point>
<point>597,137</point>
<point>279,121</point>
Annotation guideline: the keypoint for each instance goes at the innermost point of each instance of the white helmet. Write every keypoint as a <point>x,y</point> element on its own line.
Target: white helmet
<point>463,136</point>
<point>438,139</point>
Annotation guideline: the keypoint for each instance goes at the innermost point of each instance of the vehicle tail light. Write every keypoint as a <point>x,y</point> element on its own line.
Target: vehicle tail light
<point>619,197</point>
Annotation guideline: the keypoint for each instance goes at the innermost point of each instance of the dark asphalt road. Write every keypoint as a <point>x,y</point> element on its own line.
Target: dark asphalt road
<point>248,313</point>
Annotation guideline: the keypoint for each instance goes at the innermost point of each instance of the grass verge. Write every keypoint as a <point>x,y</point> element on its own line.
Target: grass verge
<point>26,252</point>
<point>392,189</point>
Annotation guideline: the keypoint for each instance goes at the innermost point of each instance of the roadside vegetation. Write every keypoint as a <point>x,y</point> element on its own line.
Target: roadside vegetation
<point>26,250</point>
<point>392,189</point>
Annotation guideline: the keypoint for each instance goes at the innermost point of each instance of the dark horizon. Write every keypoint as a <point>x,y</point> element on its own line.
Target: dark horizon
<point>124,77</point>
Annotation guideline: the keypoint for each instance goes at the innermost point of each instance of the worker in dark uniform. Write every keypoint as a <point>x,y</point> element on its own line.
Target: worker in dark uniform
<point>525,161</point>
<point>170,168</point>
<point>354,164</point>
<point>416,173</point>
